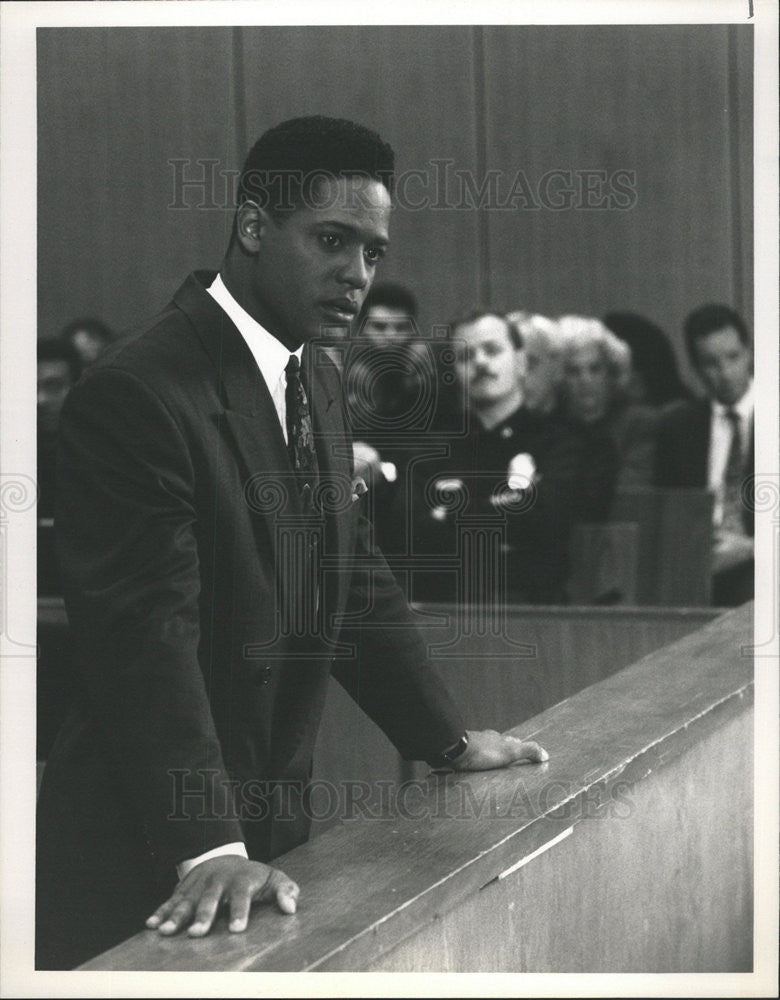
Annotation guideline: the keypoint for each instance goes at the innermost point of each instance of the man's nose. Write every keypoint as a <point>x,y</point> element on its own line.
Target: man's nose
<point>355,271</point>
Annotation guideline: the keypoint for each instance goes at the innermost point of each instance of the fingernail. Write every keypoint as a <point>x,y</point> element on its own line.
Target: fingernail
<point>152,921</point>
<point>237,925</point>
<point>169,925</point>
<point>544,755</point>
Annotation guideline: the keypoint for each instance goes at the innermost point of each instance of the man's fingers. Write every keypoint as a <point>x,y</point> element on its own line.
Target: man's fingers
<point>488,749</point>
<point>157,917</point>
<point>526,750</point>
<point>287,897</point>
<point>206,911</point>
<point>178,917</point>
<point>240,904</point>
<point>162,912</point>
<point>196,905</point>
<point>282,890</point>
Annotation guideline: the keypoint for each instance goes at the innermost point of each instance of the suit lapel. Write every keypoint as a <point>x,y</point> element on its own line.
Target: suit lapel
<point>247,407</point>
<point>333,454</point>
<point>748,512</point>
<point>699,452</point>
<point>271,489</point>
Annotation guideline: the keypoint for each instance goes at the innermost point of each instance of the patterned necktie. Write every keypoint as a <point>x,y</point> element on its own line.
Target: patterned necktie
<point>732,479</point>
<point>300,434</point>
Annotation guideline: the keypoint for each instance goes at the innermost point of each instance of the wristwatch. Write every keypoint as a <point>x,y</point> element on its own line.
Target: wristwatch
<point>446,757</point>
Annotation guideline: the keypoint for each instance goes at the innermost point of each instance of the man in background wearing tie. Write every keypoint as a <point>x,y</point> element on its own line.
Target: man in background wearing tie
<point>212,539</point>
<point>709,443</point>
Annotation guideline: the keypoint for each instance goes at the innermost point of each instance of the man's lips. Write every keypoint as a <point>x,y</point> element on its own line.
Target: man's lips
<point>342,308</point>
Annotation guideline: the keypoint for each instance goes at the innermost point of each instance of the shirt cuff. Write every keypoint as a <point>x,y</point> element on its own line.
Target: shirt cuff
<point>238,848</point>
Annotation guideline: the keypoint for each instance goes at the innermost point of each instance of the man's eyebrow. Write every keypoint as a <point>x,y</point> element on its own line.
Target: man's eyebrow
<point>346,228</point>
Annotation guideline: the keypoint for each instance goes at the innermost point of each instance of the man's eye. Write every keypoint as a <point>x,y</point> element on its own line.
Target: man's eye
<point>375,254</point>
<point>332,241</point>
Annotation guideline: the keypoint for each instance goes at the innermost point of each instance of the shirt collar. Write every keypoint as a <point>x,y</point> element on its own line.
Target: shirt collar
<point>269,353</point>
<point>744,407</point>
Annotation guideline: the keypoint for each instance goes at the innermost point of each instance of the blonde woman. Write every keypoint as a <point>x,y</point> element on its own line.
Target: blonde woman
<point>595,396</point>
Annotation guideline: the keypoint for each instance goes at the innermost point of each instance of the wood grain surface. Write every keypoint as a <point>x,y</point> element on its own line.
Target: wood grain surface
<point>667,737</point>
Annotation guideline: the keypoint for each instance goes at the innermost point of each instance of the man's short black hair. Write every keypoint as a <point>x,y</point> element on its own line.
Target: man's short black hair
<point>284,165</point>
<point>477,314</point>
<point>391,296</point>
<point>709,319</point>
<point>58,349</point>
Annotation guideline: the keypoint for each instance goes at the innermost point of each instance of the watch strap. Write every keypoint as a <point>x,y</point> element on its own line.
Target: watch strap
<point>452,753</point>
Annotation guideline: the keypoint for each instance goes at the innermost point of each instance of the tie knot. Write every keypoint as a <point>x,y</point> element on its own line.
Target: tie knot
<point>293,366</point>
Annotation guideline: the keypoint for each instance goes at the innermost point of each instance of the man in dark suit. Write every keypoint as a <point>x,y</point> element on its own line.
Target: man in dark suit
<point>708,443</point>
<point>211,539</point>
<point>59,367</point>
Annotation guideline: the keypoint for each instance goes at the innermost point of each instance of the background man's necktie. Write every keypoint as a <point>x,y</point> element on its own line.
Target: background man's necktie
<point>300,434</point>
<point>733,477</point>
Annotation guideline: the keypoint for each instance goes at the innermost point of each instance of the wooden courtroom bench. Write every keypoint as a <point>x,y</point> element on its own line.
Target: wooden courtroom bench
<point>674,544</point>
<point>629,851</point>
<point>604,564</point>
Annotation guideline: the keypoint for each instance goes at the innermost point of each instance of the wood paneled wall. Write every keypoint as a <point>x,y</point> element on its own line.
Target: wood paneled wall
<point>670,104</point>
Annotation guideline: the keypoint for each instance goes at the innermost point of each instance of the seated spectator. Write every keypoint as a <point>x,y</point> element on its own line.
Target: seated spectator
<point>654,379</point>
<point>512,478</point>
<point>391,394</point>
<point>59,368</point>
<point>597,368</point>
<point>708,443</point>
<point>389,316</point>
<point>543,371</point>
<point>89,336</point>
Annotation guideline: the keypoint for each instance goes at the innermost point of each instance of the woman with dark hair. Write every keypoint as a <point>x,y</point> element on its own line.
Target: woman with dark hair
<point>654,378</point>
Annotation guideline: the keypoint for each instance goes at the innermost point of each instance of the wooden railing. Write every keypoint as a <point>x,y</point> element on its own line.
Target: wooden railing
<point>630,850</point>
<point>500,666</point>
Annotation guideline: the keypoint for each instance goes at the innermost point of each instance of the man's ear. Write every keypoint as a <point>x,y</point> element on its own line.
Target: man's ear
<point>251,225</point>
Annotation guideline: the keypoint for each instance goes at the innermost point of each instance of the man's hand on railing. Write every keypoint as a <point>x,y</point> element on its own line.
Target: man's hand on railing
<point>488,749</point>
<point>229,879</point>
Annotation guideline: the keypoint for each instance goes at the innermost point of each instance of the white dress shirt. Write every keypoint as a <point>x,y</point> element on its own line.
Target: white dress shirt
<point>720,443</point>
<point>271,357</point>
<point>270,354</point>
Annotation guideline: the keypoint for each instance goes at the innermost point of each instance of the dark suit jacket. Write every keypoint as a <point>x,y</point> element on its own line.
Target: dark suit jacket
<point>683,450</point>
<point>187,563</point>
